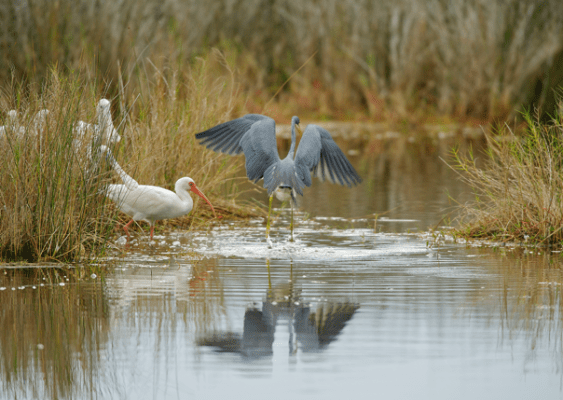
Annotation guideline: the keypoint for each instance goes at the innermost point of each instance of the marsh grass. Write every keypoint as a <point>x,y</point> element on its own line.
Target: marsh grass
<point>52,203</point>
<point>386,60</point>
<point>518,187</point>
<point>50,206</point>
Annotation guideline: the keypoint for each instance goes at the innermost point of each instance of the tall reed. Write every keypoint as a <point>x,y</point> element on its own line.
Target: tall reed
<point>519,187</point>
<point>386,59</point>
<point>50,206</point>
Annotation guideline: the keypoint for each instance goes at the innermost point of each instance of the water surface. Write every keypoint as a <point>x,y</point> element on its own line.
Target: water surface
<point>388,312</point>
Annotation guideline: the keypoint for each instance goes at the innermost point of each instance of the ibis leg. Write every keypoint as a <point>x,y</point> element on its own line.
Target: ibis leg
<point>126,228</point>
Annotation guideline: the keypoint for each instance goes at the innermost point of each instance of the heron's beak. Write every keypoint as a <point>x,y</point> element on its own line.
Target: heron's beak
<point>198,192</point>
<point>299,129</point>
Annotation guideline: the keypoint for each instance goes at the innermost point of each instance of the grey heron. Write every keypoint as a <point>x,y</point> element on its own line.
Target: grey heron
<point>255,136</point>
<point>150,203</point>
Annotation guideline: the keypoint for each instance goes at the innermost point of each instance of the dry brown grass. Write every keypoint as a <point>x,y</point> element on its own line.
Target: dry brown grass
<point>387,60</point>
<point>519,190</point>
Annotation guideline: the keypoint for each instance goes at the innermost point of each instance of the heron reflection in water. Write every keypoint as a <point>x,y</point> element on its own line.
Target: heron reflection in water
<point>310,330</point>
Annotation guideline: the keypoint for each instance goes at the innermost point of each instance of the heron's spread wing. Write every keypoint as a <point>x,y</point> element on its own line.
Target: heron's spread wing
<point>318,153</point>
<point>260,148</point>
<point>225,137</point>
<point>253,134</point>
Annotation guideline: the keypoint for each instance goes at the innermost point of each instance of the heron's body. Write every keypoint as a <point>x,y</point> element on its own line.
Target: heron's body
<point>255,136</point>
<point>150,203</point>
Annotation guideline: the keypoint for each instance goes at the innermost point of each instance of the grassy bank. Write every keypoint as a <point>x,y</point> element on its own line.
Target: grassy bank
<point>412,60</point>
<point>51,204</point>
<point>518,185</point>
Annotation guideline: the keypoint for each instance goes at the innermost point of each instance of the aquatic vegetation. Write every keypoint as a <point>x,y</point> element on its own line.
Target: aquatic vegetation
<point>49,205</point>
<point>519,187</point>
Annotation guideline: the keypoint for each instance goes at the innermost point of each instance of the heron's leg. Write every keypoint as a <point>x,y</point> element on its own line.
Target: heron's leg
<point>152,231</point>
<point>269,212</point>
<point>291,221</point>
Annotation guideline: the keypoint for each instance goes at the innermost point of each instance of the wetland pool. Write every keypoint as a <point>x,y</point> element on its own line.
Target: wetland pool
<point>342,311</point>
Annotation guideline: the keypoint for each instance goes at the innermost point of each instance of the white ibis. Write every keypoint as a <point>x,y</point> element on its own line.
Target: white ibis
<point>11,123</point>
<point>150,203</point>
<point>39,121</point>
<point>96,134</point>
<point>255,135</point>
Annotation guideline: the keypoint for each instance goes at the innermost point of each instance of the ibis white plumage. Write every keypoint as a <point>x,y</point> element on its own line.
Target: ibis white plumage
<point>86,134</point>
<point>18,130</point>
<point>150,203</point>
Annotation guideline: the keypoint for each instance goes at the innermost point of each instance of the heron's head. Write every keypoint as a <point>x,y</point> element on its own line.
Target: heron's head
<point>295,122</point>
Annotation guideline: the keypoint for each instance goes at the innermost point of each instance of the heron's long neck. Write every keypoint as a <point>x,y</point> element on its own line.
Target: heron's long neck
<point>293,139</point>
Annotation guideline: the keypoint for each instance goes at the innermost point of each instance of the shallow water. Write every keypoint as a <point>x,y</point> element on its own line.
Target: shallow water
<point>218,314</point>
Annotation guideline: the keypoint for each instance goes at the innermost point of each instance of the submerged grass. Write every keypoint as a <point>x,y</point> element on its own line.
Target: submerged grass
<point>51,205</point>
<point>519,190</point>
